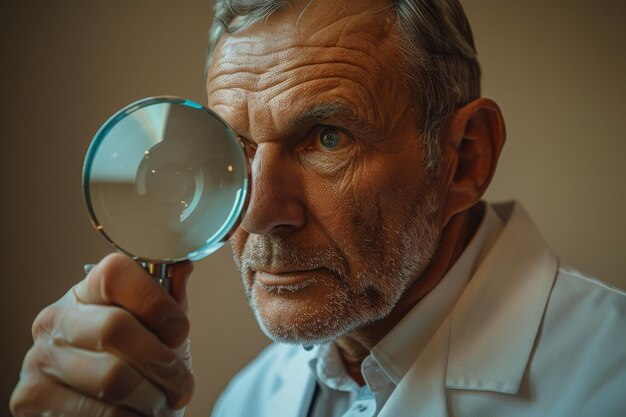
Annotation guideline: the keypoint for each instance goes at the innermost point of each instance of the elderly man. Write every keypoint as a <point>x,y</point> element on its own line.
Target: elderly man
<point>366,254</point>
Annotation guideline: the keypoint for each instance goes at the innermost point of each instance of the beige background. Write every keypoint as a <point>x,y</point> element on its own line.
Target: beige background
<point>555,67</point>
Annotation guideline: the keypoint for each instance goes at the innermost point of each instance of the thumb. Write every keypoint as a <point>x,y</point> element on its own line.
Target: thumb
<point>179,275</point>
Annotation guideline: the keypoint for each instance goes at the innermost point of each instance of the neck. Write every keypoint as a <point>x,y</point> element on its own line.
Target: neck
<point>355,346</point>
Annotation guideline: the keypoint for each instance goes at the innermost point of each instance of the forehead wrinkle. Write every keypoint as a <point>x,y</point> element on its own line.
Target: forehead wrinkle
<point>305,96</point>
<point>347,34</point>
<point>273,44</point>
<point>255,72</point>
<point>230,105</point>
<point>338,80</point>
<point>348,30</point>
<point>280,65</point>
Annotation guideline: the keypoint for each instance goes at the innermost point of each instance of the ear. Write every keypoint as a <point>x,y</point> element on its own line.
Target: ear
<point>471,148</point>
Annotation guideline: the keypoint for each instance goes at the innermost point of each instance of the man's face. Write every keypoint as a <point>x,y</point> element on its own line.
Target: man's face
<point>342,215</point>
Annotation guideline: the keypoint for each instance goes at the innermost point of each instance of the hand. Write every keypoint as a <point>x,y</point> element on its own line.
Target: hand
<point>105,348</point>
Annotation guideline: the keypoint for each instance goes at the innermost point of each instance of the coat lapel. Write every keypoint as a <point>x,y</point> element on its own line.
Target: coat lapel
<point>486,341</point>
<point>496,320</point>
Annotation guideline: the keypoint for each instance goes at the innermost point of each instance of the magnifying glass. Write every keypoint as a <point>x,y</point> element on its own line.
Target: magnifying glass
<point>165,180</point>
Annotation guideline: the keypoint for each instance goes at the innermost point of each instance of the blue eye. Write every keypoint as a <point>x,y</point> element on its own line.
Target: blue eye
<point>329,137</point>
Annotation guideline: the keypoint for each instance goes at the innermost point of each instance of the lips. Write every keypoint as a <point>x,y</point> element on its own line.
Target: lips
<point>288,279</point>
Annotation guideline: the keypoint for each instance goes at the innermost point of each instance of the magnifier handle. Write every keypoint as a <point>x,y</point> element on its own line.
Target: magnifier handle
<point>158,271</point>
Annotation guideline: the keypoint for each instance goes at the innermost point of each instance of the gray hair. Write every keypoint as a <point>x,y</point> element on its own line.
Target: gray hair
<point>442,70</point>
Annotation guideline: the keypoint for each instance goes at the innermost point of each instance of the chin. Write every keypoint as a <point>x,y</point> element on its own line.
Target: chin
<point>319,313</point>
<point>304,330</point>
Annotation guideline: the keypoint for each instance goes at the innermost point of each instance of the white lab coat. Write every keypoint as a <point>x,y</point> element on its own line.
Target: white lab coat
<point>527,337</point>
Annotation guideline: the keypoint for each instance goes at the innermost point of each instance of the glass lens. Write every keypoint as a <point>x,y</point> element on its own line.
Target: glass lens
<point>165,179</point>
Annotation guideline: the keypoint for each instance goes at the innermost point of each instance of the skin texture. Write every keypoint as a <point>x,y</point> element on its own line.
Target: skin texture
<point>324,223</point>
<point>343,235</point>
<point>336,242</point>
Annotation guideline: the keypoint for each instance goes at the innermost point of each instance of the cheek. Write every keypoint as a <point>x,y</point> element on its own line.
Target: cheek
<point>374,196</point>
<point>346,211</point>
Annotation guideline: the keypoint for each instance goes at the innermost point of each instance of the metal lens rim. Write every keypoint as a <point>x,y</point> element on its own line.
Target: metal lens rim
<point>238,211</point>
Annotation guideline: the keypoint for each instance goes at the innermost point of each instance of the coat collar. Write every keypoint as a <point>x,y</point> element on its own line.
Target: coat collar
<point>486,341</point>
<point>494,324</point>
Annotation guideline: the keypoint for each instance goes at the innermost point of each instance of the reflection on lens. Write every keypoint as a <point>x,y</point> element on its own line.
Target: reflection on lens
<point>166,180</point>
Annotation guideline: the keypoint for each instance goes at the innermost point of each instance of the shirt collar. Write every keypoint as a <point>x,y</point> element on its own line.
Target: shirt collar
<point>327,365</point>
<point>397,351</point>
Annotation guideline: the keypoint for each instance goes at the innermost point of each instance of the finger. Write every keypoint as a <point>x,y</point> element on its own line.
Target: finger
<point>106,377</point>
<point>37,395</point>
<point>179,274</point>
<point>119,280</point>
<point>114,330</point>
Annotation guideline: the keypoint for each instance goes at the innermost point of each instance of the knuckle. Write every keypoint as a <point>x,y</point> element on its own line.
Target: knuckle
<point>40,355</point>
<point>46,320</point>
<point>32,358</point>
<point>37,356</point>
<point>30,396</point>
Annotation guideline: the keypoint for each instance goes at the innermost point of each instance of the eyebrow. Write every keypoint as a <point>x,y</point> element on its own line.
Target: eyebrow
<point>323,112</point>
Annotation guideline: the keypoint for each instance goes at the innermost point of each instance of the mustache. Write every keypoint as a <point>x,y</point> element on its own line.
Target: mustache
<point>271,253</point>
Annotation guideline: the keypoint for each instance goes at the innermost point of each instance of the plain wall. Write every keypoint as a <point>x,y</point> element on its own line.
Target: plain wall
<point>556,68</point>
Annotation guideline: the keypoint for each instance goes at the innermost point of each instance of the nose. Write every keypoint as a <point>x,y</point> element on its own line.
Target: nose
<point>275,202</point>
